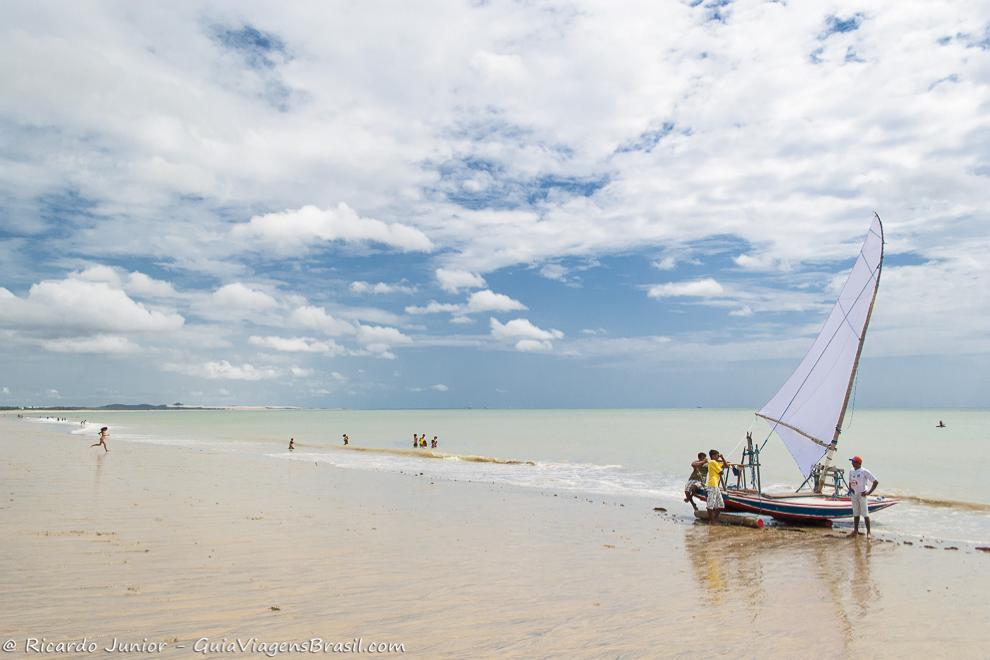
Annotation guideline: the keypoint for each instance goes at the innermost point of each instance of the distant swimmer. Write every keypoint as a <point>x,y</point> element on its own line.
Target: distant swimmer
<point>103,439</point>
<point>940,425</point>
<point>422,441</point>
<point>699,472</point>
<point>415,441</point>
<point>346,440</point>
<point>433,443</point>
<point>292,444</point>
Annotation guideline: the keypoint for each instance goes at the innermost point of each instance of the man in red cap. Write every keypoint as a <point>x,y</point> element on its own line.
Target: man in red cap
<point>859,478</point>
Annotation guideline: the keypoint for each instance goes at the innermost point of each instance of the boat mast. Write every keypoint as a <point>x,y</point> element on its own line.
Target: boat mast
<point>826,462</point>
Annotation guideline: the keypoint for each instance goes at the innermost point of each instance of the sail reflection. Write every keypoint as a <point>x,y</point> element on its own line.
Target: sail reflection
<point>823,579</point>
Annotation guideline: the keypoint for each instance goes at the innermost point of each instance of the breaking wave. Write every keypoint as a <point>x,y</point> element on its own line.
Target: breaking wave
<point>428,453</point>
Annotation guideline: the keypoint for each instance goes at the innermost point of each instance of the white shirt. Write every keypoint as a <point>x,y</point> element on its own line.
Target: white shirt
<point>860,480</point>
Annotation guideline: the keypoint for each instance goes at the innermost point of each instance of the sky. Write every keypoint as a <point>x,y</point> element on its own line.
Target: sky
<point>487,204</point>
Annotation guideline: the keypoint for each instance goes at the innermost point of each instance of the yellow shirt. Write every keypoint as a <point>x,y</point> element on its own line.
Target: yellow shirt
<point>714,472</point>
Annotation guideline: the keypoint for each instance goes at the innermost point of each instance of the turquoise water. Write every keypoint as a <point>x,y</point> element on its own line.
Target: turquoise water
<point>624,453</point>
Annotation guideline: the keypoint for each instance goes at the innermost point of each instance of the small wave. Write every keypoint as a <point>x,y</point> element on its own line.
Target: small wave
<point>941,503</point>
<point>87,428</point>
<point>51,420</point>
<point>427,453</point>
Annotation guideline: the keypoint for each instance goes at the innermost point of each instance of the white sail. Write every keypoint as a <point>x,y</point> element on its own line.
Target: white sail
<point>809,408</point>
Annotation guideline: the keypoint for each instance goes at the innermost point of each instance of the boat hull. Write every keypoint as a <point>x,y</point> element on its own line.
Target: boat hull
<point>801,509</point>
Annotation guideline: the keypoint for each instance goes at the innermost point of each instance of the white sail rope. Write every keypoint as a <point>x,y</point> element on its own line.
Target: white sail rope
<point>748,431</point>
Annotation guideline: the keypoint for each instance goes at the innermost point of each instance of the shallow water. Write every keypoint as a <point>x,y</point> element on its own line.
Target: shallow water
<point>626,453</point>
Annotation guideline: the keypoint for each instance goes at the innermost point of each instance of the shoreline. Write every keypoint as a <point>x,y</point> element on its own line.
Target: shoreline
<point>178,543</point>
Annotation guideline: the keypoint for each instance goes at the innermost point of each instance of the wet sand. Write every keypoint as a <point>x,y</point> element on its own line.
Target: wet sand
<point>178,544</point>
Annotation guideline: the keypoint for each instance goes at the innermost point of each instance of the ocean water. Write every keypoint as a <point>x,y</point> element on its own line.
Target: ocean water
<point>640,454</point>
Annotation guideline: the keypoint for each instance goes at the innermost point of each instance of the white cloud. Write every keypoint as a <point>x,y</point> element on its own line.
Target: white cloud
<point>134,283</point>
<point>294,231</point>
<point>745,310</point>
<point>533,346</point>
<point>300,372</point>
<point>73,306</point>
<point>317,318</point>
<point>223,370</point>
<point>530,338</point>
<point>554,272</point>
<point>371,334</point>
<point>434,307</point>
<point>479,301</point>
<point>498,66</point>
<point>380,288</point>
<point>108,344</point>
<point>668,262</point>
<point>439,387</point>
<point>454,280</point>
<point>370,314</point>
<point>53,394</point>
<point>5,390</point>
<point>241,298</point>
<point>703,288</point>
<point>522,328</point>
<point>99,273</point>
<point>489,301</point>
<point>297,344</point>
<point>142,285</point>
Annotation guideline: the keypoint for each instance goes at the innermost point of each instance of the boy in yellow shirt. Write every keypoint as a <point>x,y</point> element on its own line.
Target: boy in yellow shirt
<point>715,502</point>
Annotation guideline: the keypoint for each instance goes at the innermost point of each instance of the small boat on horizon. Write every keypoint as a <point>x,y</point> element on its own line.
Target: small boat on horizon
<point>808,411</point>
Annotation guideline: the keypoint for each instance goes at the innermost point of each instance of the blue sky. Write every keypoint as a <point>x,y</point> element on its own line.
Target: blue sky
<point>487,204</point>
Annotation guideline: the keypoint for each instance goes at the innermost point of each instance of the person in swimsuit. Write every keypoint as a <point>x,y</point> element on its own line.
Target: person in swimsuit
<point>292,444</point>
<point>103,439</point>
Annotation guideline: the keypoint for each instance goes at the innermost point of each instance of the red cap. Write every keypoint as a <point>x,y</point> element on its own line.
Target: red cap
<point>855,459</point>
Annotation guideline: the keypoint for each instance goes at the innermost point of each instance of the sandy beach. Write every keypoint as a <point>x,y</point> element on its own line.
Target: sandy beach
<point>175,545</point>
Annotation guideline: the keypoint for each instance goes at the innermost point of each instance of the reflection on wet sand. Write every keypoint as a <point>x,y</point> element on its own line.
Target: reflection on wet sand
<point>98,473</point>
<point>819,578</point>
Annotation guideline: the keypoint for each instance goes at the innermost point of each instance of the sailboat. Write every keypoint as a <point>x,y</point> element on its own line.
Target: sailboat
<point>808,411</point>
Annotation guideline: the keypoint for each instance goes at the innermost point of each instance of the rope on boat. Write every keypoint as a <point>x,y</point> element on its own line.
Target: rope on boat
<point>852,404</point>
<point>748,431</point>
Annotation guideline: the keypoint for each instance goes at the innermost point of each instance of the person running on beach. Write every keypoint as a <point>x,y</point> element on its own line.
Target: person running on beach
<point>715,502</point>
<point>858,478</point>
<point>103,439</point>
<point>699,474</point>
<point>292,444</point>
<point>433,443</point>
<point>346,440</point>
